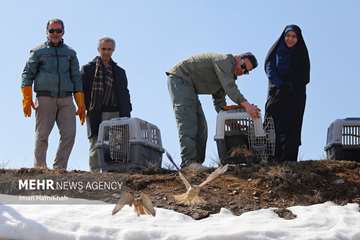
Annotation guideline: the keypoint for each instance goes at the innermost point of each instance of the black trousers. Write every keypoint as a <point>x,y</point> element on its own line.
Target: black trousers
<point>287,109</point>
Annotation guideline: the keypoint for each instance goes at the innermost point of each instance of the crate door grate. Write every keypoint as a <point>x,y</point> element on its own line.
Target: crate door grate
<point>236,133</point>
<point>350,135</point>
<point>119,143</point>
<point>263,146</point>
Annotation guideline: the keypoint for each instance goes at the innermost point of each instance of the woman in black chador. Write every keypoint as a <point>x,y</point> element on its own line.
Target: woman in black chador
<point>287,66</point>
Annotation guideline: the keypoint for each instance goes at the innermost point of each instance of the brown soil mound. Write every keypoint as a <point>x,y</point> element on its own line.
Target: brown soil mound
<point>241,189</point>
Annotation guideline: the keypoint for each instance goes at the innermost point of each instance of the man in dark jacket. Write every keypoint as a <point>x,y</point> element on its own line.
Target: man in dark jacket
<point>53,68</point>
<point>106,93</point>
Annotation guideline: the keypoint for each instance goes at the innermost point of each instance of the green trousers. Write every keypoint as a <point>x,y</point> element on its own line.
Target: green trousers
<point>190,120</point>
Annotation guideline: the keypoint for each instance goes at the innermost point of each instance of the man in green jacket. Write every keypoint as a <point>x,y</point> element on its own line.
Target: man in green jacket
<point>53,68</point>
<point>213,74</point>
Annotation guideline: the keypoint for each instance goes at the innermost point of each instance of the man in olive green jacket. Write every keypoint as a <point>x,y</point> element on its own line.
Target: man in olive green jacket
<point>53,68</point>
<point>213,74</point>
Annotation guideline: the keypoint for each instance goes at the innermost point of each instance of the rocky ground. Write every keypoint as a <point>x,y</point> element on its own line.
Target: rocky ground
<point>240,189</point>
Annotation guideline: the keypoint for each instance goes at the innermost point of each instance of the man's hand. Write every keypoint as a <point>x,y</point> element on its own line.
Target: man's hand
<point>251,109</point>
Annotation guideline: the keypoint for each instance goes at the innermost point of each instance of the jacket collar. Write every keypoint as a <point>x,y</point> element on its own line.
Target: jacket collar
<point>61,43</point>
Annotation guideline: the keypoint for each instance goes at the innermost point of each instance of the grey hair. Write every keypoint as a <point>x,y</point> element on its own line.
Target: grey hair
<point>106,39</point>
<point>55,20</point>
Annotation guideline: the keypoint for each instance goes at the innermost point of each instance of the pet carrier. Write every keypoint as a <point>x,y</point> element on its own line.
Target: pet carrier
<point>128,144</point>
<point>343,140</point>
<point>240,139</point>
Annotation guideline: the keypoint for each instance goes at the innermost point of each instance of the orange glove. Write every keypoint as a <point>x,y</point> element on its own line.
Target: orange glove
<point>80,102</point>
<point>27,100</point>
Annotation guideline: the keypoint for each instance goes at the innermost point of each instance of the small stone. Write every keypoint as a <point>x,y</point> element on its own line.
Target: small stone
<point>234,193</point>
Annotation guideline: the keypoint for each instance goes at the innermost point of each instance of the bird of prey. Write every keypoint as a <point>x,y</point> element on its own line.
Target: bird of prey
<point>191,196</point>
<point>142,203</point>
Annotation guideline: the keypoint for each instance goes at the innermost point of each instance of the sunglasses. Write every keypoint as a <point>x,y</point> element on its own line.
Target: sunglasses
<point>243,67</point>
<point>55,30</point>
<point>106,49</point>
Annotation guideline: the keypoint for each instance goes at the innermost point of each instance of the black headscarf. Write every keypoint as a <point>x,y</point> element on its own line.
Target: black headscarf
<point>300,62</point>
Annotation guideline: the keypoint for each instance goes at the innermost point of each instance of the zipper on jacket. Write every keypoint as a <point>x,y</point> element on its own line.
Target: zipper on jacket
<point>57,67</point>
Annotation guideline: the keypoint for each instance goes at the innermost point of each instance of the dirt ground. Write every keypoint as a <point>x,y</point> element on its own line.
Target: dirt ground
<point>240,189</point>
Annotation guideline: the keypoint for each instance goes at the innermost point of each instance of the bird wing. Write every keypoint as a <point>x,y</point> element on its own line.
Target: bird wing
<point>147,204</point>
<point>214,175</point>
<point>125,198</point>
<point>185,181</point>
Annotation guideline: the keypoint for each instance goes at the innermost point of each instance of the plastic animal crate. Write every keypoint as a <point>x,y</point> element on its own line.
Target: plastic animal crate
<point>235,129</point>
<point>343,140</point>
<point>128,144</point>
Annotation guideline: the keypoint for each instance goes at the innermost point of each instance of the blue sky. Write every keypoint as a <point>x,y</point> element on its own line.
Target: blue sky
<point>154,35</point>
